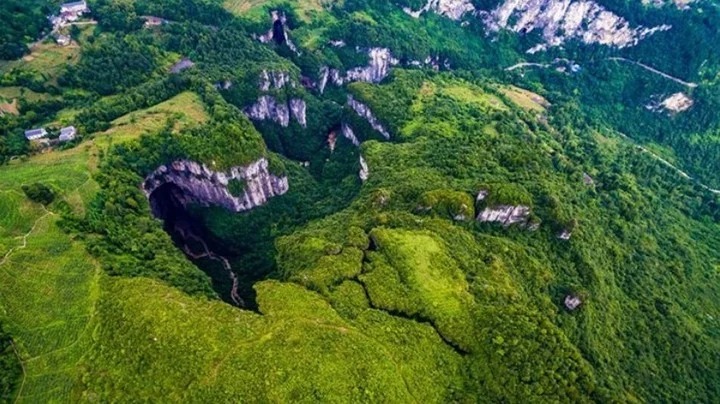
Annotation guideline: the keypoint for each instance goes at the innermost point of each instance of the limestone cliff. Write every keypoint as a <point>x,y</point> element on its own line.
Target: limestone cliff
<point>364,170</point>
<point>275,79</point>
<point>203,186</point>
<point>452,9</point>
<point>267,107</point>
<point>349,134</point>
<point>365,112</point>
<point>505,214</point>
<point>560,20</point>
<point>278,32</point>
<point>379,62</point>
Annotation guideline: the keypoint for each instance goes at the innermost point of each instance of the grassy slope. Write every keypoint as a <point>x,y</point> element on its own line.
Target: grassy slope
<point>49,283</point>
<point>186,108</point>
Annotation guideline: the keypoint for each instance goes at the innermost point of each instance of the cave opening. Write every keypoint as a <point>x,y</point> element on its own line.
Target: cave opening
<point>170,204</point>
<point>279,31</point>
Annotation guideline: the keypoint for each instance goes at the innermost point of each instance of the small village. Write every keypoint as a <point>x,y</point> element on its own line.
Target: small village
<point>69,14</point>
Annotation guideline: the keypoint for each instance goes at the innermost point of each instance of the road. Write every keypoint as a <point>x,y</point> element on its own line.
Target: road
<point>669,164</point>
<point>656,71</point>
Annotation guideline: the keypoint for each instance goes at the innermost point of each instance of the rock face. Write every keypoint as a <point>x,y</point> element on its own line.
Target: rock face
<point>505,214</point>
<point>452,9</point>
<point>677,102</point>
<point>276,80</point>
<point>278,32</point>
<point>201,185</point>
<point>572,302</point>
<point>267,107</point>
<point>364,170</point>
<point>378,67</point>
<point>560,20</point>
<point>365,112</point>
<point>565,235</point>
<point>348,133</point>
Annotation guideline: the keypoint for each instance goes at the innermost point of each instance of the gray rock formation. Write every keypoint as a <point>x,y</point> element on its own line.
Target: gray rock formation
<point>297,109</point>
<point>348,133</point>
<point>365,112</point>
<point>572,302</point>
<point>505,214</point>
<point>274,79</point>
<point>203,186</point>
<point>364,170</point>
<point>267,107</point>
<point>560,20</point>
<point>270,35</point>
<point>565,235</point>
<point>452,9</point>
<point>379,62</point>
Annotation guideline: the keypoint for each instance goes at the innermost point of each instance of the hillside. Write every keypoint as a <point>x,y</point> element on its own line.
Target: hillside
<point>363,201</point>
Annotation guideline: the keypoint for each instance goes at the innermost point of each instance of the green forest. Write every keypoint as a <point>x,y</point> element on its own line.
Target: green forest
<point>336,201</point>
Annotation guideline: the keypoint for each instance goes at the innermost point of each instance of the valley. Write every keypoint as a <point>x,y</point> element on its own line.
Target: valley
<point>360,201</point>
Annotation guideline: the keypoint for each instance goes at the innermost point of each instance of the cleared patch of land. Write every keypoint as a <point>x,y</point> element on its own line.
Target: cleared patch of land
<point>255,8</point>
<point>47,59</point>
<point>186,109</point>
<point>525,99</point>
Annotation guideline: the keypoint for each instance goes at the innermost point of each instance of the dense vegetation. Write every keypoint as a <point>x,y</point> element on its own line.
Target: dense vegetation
<point>23,21</point>
<point>384,289</point>
<point>9,367</point>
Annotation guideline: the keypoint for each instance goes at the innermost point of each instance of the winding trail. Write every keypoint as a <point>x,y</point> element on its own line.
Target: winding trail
<point>25,236</point>
<point>187,235</point>
<point>656,71</point>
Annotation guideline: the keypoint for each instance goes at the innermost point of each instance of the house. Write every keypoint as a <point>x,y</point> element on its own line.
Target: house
<point>67,134</point>
<point>76,7</point>
<point>63,40</point>
<point>34,134</point>
<point>184,64</point>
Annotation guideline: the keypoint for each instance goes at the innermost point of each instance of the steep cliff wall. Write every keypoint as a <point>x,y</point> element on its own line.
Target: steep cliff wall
<point>278,32</point>
<point>365,112</point>
<point>560,20</point>
<point>275,79</point>
<point>267,107</point>
<point>203,186</point>
<point>452,9</point>
<point>379,62</point>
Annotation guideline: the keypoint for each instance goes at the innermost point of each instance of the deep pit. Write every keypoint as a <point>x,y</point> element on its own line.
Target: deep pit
<point>190,235</point>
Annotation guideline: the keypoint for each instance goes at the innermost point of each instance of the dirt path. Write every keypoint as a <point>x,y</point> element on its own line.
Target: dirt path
<point>656,71</point>
<point>25,237</point>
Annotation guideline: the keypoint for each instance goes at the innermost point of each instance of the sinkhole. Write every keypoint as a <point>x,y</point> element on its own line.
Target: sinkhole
<point>183,221</point>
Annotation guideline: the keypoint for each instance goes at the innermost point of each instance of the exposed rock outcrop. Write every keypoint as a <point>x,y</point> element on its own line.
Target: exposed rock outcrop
<point>267,107</point>
<point>572,302</point>
<point>505,214</point>
<point>452,9</point>
<point>378,67</point>
<point>348,133</point>
<point>276,80</point>
<point>677,102</point>
<point>560,20</point>
<point>365,112</point>
<point>203,186</point>
<point>278,32</point>
<point>565,234</point>
<point>364,170</point>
